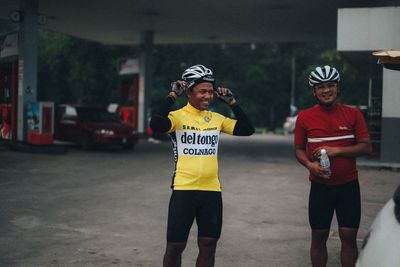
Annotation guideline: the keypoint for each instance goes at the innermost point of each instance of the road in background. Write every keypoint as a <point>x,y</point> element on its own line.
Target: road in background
<point>108,207</point>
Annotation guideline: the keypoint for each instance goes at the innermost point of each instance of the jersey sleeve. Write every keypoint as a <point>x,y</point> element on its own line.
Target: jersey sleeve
<point>159,118</point>
<point>300,133</point>
<point>360,127</point>
<point>173,120</point>
<point>243,126</point>
<point>228,125</point>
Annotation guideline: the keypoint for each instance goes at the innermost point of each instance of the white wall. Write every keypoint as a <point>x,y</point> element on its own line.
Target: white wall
<point>391,94</point>
<point>368,29</point>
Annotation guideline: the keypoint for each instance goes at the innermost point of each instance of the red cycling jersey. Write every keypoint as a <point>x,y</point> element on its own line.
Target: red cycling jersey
<point>340,126</point>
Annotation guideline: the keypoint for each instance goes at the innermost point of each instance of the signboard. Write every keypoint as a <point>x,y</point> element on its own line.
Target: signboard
<point>9,46</point>
<point>128,66</point>
<point>20,77</point>
<point>40,117</point>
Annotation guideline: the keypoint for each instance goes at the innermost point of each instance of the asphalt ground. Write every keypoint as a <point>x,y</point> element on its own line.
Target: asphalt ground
<point>108,207</point>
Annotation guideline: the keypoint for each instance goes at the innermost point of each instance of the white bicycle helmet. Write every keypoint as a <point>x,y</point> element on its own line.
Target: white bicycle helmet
<point>323,74</point>
<point>197,74</point>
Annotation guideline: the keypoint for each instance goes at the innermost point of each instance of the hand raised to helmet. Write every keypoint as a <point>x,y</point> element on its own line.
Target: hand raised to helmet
<point>225,95</point>
<point>178,87</point>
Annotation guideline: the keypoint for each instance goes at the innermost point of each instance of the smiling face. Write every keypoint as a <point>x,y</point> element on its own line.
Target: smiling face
<point>201,96</point>
<point>326,93</point>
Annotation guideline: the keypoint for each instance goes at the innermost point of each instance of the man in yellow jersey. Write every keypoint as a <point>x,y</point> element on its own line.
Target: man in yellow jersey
<point>195,135</point>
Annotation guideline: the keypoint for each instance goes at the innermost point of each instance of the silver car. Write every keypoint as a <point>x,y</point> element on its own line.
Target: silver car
<point>289,124</point>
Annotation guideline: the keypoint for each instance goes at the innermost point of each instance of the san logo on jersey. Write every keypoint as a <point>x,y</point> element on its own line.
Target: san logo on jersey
<point>188,127</point>
<point>194,128</point>
<point>193,143</point>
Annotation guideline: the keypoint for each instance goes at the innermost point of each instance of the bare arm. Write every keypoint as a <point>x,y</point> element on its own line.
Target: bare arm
<point>364,147</point>
<point>313,167</point>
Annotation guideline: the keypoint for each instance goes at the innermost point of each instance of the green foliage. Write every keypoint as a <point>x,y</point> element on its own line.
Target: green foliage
<point>259,78</point>
<point>73,70</point>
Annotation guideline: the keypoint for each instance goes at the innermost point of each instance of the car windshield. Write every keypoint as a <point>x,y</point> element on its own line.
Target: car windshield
<point>96,115</point>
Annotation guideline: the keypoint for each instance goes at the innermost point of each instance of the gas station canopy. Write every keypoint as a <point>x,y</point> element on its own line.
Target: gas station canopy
<point>356,25</point>
<point>182,21</point>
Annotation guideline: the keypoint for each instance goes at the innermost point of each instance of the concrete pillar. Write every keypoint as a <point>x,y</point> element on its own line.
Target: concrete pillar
<point>293,109</point>
<point>390,146</point>
<point>27,63</point>
<point>145,79</point>
<point>373,29</point>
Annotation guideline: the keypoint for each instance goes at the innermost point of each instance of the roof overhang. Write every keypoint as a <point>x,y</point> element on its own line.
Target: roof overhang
<point>182,21</point>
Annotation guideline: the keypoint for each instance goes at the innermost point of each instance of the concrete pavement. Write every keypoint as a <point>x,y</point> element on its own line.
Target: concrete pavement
<point>108,207</point>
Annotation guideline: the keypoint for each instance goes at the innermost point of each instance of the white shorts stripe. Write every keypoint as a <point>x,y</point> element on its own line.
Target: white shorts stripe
<point>334,138</point>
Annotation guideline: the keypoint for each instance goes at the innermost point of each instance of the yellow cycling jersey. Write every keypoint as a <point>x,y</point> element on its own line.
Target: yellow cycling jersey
<point>195,136</point>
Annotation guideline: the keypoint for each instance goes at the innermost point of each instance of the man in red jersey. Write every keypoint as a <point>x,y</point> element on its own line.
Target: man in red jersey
<point>342,132</point>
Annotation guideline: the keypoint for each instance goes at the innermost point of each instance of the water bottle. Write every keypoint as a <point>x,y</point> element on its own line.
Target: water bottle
<point>325,164</point>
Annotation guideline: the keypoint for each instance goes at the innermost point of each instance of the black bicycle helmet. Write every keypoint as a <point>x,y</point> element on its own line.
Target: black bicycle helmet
<point>323,74</point>
<point>197,74</point>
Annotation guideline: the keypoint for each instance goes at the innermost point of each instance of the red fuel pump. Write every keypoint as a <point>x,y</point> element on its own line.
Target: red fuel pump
<point>8,100</point>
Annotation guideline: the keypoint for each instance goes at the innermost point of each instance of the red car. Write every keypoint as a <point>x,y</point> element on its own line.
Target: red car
<point>88,126</point>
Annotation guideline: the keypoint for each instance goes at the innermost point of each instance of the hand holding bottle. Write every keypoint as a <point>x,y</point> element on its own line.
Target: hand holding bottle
<point>325,164</point>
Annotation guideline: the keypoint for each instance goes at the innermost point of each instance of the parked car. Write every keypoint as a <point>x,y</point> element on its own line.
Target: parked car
<point>289,124</point>
<point>88,126</point>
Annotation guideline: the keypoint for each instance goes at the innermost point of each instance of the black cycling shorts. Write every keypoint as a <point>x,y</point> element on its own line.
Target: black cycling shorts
<point>343,199</point>
<point>185,206</point>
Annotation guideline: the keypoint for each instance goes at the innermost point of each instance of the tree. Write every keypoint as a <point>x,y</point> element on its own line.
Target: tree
<point>72,70</point>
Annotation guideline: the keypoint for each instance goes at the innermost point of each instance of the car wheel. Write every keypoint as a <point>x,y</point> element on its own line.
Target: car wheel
<point>86,141</point>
